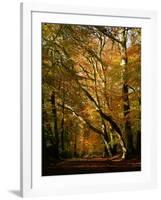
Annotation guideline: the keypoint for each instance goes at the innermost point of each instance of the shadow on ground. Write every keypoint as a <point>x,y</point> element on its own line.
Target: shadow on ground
<point>15,192</point>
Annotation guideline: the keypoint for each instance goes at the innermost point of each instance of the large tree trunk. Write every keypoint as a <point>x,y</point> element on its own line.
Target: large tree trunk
<point>126,104</point>
<point>122,40</point>
<point>109,119</point>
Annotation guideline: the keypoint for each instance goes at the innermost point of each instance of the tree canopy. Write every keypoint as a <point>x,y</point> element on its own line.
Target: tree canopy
<point>91,91</point>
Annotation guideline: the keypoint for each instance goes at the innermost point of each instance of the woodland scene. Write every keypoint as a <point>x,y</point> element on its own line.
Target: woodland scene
<point>91,99</point>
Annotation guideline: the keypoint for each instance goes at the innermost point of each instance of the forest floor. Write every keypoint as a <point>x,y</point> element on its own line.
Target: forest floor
<point>91,165</point>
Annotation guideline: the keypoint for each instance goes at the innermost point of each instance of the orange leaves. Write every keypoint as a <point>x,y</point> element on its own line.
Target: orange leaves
<point>83,67</point>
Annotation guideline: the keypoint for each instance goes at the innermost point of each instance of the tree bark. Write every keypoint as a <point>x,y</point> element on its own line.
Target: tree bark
<point>54,110</point>
<point>75,145</point>
<point>107,146</point>
<point>122,40</point>
<point>109,119</point>
<point>62,125</point>
<point>126,102</point>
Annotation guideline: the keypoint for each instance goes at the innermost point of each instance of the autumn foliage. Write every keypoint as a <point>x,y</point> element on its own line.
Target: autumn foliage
<point>91,92</point>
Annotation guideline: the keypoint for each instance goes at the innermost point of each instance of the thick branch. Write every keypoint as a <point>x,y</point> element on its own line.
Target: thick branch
<point>85,121</point>
<point>111,121</point>
<point>108,34</point>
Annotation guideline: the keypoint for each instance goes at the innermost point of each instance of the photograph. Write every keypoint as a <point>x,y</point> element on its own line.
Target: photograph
<point>90,99</point>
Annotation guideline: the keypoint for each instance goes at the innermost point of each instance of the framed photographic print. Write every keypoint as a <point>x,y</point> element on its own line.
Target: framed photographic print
<point>87,88</point>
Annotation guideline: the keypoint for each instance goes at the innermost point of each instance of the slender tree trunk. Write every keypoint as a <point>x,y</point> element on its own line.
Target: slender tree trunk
<point>44,147</point>
<point>45,158</point>
<point>107,146</point>
<point>75,145</point>
<point>138,141</point>
<point>54,110</point>
<point>62,125</point>
<point>106,138</point>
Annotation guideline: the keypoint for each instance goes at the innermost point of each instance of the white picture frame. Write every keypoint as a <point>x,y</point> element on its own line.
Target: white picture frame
<point>32,183</point>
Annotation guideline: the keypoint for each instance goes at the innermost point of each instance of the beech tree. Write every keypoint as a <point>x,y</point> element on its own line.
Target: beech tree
<point>91,89</point>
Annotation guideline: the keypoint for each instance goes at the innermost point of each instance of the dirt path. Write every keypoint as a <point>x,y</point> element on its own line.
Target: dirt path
<point>99,165</point>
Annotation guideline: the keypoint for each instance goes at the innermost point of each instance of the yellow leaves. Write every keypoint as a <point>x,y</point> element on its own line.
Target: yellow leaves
<point>79,60</point>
